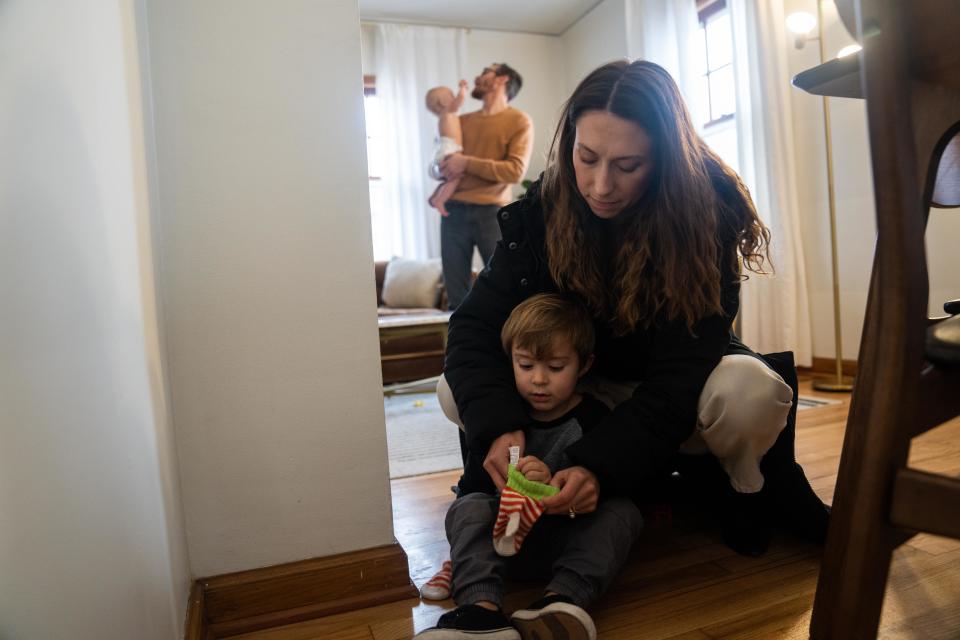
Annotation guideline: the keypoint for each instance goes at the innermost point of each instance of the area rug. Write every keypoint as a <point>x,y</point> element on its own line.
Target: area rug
<point>420,439</point>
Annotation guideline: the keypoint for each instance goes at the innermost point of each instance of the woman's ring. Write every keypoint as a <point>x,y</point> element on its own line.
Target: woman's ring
<point>573,513</point>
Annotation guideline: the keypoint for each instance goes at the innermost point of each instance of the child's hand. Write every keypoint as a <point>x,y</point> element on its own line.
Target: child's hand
<point>498,457</point>
<point>460,97</point>
<point>534,469</point>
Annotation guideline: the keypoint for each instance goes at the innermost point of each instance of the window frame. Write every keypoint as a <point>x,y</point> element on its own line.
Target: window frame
<point>708,10</point>
<point>369,90</point>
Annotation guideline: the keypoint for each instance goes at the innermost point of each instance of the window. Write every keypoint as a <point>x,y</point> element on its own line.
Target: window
<point>374,121</point>
<point>373,115</point>
<point>716,104</point>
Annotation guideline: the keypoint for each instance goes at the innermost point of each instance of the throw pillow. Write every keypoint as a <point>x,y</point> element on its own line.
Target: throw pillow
<point>411,283</point>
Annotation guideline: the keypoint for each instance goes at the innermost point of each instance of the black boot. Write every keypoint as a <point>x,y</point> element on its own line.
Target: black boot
<point>744,517</point>
<point>746,523</point>
<point>796,507</point>
<point>793,502</point>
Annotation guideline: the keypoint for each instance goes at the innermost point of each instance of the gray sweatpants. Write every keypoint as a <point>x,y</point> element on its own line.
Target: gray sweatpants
<point>582,555</point>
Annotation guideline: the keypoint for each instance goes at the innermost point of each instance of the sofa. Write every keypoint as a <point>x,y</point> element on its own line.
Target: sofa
<point>411,313</point>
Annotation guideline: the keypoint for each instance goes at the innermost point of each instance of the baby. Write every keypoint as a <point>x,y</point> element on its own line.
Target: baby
<point>442,102</point>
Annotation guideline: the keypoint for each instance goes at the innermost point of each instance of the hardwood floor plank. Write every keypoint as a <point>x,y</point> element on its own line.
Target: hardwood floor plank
<point>397,629</point>
<point>352,625</point>
<point>934,545</point>
<point>692,635</point>
<point>695,608</point>
<point>788,621</point>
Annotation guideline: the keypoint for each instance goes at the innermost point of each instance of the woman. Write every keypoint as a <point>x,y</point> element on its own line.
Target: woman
<point>638,218</point>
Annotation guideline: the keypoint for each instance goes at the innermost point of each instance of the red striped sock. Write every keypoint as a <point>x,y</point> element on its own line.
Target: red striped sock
<point>438,587</point>
<point>516,517</point>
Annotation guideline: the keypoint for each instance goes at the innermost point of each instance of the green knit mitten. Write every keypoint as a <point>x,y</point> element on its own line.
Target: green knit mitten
<point>519,509</point>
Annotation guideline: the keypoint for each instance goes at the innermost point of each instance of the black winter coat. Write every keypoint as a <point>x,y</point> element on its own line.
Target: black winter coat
<point>641,436</point>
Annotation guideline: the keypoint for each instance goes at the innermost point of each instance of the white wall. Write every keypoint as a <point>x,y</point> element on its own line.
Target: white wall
<point>268,280</point>
<point>853,181</point>
<point>856,227</point>
<point>540,61</point>
<point>91,545</point>
<point>597,38</point>
<point>368,49</point>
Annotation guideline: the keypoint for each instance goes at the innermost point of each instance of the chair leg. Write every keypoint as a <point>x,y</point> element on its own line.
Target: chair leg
<point>860,542</point>
<point>851,588</point>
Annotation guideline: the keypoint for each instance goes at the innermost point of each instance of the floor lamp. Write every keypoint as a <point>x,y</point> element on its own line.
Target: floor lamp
<point>801,24</point>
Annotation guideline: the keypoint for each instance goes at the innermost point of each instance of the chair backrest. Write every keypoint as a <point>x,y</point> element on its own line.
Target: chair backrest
<point>946,192</point>
<point>946,189</point>
<point>913,103</point>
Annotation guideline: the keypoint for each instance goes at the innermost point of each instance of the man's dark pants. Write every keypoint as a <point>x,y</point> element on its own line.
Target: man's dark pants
<point>468,225</point>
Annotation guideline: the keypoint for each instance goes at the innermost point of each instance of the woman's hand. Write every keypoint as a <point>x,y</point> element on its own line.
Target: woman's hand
<point>533,468</point>
<point>498,457</point>
<point>579,492</point>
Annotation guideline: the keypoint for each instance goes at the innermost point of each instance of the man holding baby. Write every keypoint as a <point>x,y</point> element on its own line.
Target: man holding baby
<point>496,143</point>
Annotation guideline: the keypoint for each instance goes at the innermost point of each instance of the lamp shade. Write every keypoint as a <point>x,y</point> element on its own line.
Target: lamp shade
<point>801,22</point>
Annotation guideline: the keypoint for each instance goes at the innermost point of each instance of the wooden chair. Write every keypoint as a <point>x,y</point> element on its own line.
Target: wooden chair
<point>908,380</point>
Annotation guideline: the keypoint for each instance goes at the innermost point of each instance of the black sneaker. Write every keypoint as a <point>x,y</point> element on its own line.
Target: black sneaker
<point>554,617</point>
<point>471,621</point>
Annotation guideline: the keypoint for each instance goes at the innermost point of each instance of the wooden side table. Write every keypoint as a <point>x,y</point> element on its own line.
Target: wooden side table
<point>404,326</point>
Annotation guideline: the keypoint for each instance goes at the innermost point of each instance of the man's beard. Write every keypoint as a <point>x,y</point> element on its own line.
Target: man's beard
<point>477,93</point>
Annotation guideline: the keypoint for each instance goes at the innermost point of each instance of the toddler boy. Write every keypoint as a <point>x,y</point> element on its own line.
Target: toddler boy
<point>550,341</point>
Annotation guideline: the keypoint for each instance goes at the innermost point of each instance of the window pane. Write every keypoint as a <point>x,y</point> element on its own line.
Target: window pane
<point>700,104</point>
<point>380,222</point>
<point>719,41</point>
<point>700,51</point>
<point>723,140</point>
<point>374,121</point>
<point>374,157</point>
<point>373,115</point>
<point>723,99</point>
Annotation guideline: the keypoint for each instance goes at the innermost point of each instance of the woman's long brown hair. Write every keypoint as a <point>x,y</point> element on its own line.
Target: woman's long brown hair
<point>665,261</point>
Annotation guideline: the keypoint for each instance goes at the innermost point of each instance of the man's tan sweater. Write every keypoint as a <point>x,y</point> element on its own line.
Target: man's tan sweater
<point>498,148</point>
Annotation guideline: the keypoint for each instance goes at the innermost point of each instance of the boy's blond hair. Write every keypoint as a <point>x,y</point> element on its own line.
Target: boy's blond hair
<point>538,321</point>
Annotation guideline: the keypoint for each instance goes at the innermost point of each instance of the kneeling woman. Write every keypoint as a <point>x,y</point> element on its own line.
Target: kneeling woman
<point>641,221</point>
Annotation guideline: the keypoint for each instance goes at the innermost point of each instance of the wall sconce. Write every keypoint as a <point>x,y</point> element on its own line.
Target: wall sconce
<point>800,24</point>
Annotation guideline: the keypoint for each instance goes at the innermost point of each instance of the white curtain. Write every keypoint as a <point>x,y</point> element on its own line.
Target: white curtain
<point>774,310</point>
<point>663,31</point>
<point>409,61</point>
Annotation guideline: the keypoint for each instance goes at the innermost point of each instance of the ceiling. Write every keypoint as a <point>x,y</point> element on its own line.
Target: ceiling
<point>548,17</point>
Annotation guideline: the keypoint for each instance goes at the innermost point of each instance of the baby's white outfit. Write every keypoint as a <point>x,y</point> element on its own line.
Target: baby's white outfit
<point>443,147</point>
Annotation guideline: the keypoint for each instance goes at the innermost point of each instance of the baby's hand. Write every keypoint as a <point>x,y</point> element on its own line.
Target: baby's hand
<point>534,469</point>
<point>460,97</point>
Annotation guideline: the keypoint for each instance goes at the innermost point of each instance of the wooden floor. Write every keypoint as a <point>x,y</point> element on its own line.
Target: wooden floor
<point>682,583</point>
